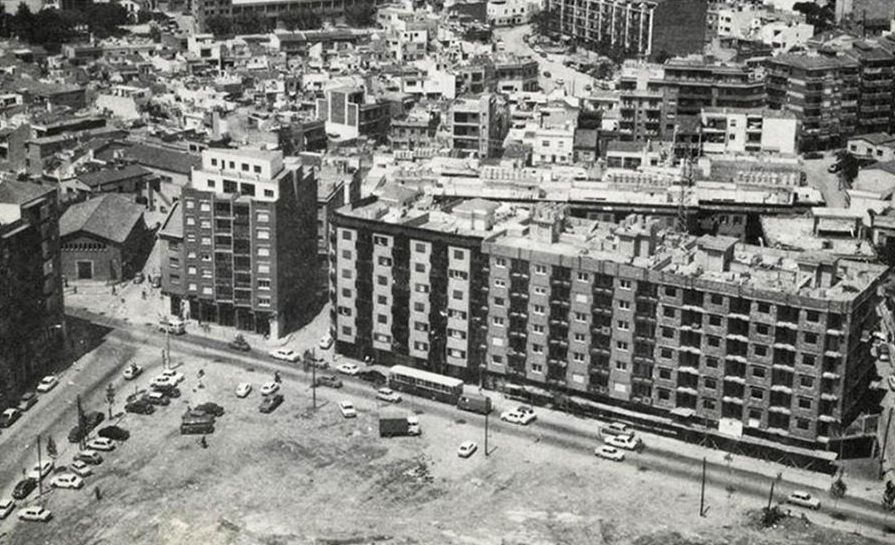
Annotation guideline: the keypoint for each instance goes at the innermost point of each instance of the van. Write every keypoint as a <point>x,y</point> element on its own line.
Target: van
<point>196,423</point>
<point>173,325</point>
<point>474,403</point>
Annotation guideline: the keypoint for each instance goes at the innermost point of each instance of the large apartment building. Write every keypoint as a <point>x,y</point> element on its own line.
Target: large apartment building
<point>822,91</point>
<point>202,10</point>
<point>742,130</point>
<point>621,24</point>
<point>240,249</point>
<point>875,101</point>
<point>32,322</point>
<point>478,125</point>
<point>749,340</point>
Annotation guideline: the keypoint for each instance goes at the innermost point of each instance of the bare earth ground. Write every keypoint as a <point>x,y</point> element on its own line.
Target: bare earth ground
<point>296,477</point>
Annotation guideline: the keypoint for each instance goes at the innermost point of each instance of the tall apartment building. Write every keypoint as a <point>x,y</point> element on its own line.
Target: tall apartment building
<point>748,340</point>
<point>823,93</point>
<point>740,130</point>
<point>240,249</point>
<point>32,320</point>
<point>407,285</point>
<point>349,113</point>
<point>202,10</point>
<point>478,125</point>
<point>875,100</point>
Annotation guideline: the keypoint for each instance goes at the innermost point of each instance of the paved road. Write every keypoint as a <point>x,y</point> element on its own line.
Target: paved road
<point>104,364</point>
<point>825,182</point>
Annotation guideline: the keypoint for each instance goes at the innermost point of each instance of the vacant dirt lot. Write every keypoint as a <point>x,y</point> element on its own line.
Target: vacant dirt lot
<point>298,476</point>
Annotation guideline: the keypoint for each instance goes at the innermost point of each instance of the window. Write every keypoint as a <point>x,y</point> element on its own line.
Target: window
<point>193,287</point>
<point>583,277</point>
<point>710,383</point>
<point>210,184</point>
<point>421,288</point>
<point>205,206</point>
<point>498,321</point>
<point>623,325</point>
<point>190,220</point>
<point>499,283</point>
<point>580,317</point>
<point>761,350</point>
<point>346,292</point>
<point>263,268</point>
<point>540,290</point>
<point>624,305</point>
<point>666,353</point>
<point>268,192</point>
<point>620,365</point>
<point>346,254</point>
<point>263,284</point>
<point>538,309</point>
<point>382,280</point>
<point>384,261</point>
<point>714,341</point>
<point>668,312</point>
<point>346,273</point>
<point>346,235</point>
<point>806,382</point>
<point>344,311</point>
<point>256,169</point>
<point>537,349</point>
<point>808,359</point>
<point>381,318</point>
<point>668,332</point>
<point>263,252</point>
<point>263,234</point>
<point>207,242</point>
<point>812,316</point>
<point>811,338</point>
<point>664,373</point>
<point>419,345</point>
<point>537,368</point>
<point>756,393</point>
<point>714,320</point>
<point>578,357</point>
<point>803,423</point>
<point>264,301</point>
<point>764,308</point>
<point>458,314</point>
<point>500,262</point>
<point>759,372</point>
<point>621,345</point>
<point>762,329</point>
<point>457,295</point>
<point>419,267</point>
<point>717,299</point>
<point>191,270</point>
<point>380,240</point>
<point>459,255</point>
<point>264,217</point>
<point>624,284</point>
<point>420,326</point>
<point>419,307</point>
<point>711,363</point>
<point>190,204</point>
<point>419,247</point>
<point>670,292</point>
<point>540,269</point>
<point>537,328</point>
<point>804,402</point>
<point>580,337</point>
<point>206,273</point>
<point>381,300</point>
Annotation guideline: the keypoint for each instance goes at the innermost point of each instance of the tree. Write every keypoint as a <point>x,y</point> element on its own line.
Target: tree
<point>544,21</point>
<point>889,497</point>
<point>821,17</point>
<point>23,22</point>
<point>360,15</point>
<point>251,23</point>
<point>663,56</point>
<point>303,19</point>
<point>52,451</point>
<point>110,398</point>
<point>219,25</point>
<point>838,488</point>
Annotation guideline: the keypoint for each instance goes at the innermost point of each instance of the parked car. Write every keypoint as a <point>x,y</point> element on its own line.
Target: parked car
<point>27,401</point>
<point>348,368</point>
<point>347,409</point>
<point>329,380</point>
<point>387,394</point>
<point>91,421</point>
<point>158,398</point>
<point>162,381</point>
<point>174,375</point>
<point>627,442</point>
<point>6,507</point>
<point>115,433</point>
<point>610,453</point>
<point>210,408</point>
<point>35,513</point>
<point>517,417</point>
<point>325,342</point>
<point>803,499</point>
<point>139,278</point>
<point>139,406</point>
<point>270,403</point>
<point>67,480</point>
<point>883,352</point>
<point>616,428</point>
<point>319,363</point>
<point>285,354</point>
<point>373,376</point>
<point>101,443</point>
<point>467,449</point>
<point>23,488</point>
<point>270,388</point>
<point>243,389</point>
<point>47,383</point>
<point>172,325</point>
<point>133,371</point>
<point>169,390</point>
<point>89,456</point>
<point>239,343</point>
<point>8,417</point>
<point>813,155</point>
<point>41,470</point>
<point>81,469</point>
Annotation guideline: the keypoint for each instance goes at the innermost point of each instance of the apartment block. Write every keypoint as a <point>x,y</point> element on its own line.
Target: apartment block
<point>877,79</point>
<point>699,83</point>
<point>32,320</point>
<point>202,10</point>
<point>478,125</point>
<point>240,249</point>
<point>408,284</point>
<point>350,113</point>
<point>740,130</point>
<point>822,91</point>
<point>621,24</point>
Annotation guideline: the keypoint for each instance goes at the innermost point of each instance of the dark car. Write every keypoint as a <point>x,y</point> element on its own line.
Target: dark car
<point>23,488</point>
<point>27,401</point>
<point>115,433</point>
<point>270,403</point>
<point>91,421</point>
<point>89,457</point>
<point>813,155</point>
<point>139,406</point>
<point>239,343</point>
<point>210,408</point>
<point>168,390</point>
<point>329,380</point>
<point>157,398</point>
<point>372,375</point>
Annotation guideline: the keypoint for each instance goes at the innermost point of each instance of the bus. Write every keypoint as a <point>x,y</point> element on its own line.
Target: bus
<point>425,384</point>
<point>197,424</point>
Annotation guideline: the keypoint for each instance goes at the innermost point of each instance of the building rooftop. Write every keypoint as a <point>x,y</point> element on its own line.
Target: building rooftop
<point>111,175</point>
<point>875,138</point>
<point>812,62</point>
<point>19,193</point>
<point>111,217</point>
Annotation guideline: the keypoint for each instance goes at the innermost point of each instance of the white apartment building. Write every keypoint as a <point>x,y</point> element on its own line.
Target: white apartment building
<point>743,130</point>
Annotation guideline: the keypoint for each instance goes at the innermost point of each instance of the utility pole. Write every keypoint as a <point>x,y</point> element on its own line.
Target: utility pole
<point>167,348</point>
<point>882,454</point>
<point>486,433</point>
<point>314,384</point>
<point>771,494</point>
<point>702,508</point>
<point>40,473</point>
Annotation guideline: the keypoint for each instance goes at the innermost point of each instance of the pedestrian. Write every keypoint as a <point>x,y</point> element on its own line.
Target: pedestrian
<point>144,294</point>
<point>97,494</point>
<point>203,442</point>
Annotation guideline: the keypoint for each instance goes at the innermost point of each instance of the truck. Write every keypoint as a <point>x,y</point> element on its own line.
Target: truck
<point>398,425</point>
<point>196,422</point>
<point>474,403</point>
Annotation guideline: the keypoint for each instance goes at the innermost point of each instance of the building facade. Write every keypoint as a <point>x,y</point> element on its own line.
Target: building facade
<point>240,249</point>
<point>478,125</point>
<point>740,130</point>
<point>608,24</point>
<point>32,320</point>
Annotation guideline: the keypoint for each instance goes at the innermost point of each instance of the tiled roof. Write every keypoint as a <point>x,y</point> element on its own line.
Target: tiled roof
<point>13,192</point>
<point>111,217</point>
<point>108,176</point>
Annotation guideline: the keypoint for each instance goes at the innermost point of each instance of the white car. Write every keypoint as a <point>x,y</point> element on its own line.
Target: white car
<point>285,354</point>
<point>35,513</point>
<point>101,443</point>
<point>467,449</point>
<point>325,342</point>
<point>347,409</point>
<point>81,469</point>
<point>610,453</point>
<point>47,383</point>
<point>244,389</point>
<point>6,507</point>
<point>133,371</point>
<point>518,417</point>
<point>270,388</point>
<point>41,470</point>
<point>176,376</point>
<point>627,442</point>
<point>67,480</point>
<point>163,380</point>
<point>617,428</point>
<point>348,368</point>
<point>387,394</point>
<point>803,499</point>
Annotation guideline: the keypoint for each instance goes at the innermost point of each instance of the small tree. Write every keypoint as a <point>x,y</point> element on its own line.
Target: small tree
<point>110,398</point>
<point>889,497</point>
<point>838,488</point>
<point>849,166</point>
<point>52,451</point>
